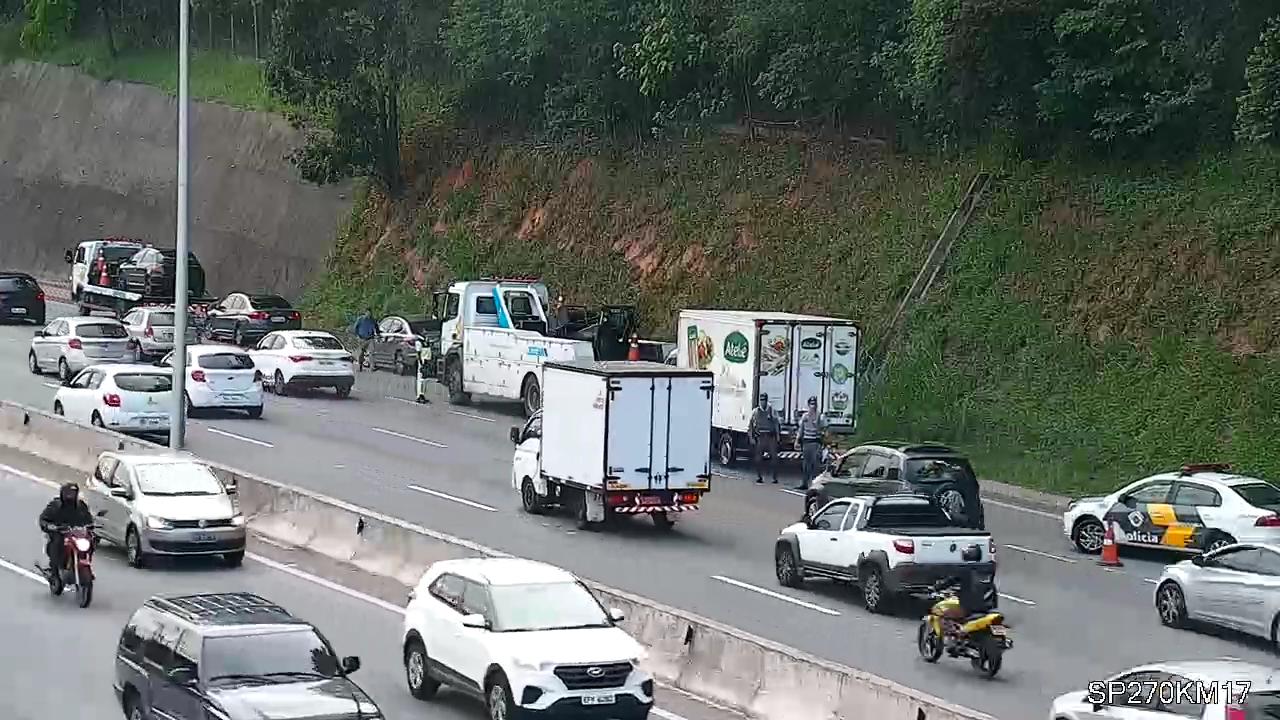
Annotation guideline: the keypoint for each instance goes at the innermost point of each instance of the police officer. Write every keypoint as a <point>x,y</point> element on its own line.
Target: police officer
<point>426,370</point>
<point>765,430</point>
<point>809,436</point>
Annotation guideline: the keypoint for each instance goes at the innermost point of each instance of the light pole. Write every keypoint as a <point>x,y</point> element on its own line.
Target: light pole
<point>178,421</point>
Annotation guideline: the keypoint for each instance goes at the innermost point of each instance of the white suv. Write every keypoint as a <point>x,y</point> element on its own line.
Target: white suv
<point>527,638</point>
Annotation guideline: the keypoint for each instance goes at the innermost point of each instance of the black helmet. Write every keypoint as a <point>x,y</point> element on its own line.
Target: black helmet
<point>69,492</point>
<point>973,553</point>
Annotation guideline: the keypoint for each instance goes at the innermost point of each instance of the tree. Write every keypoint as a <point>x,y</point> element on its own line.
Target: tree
<point>49,24</point>
<point>1259,105</point>
<point>346,64</point>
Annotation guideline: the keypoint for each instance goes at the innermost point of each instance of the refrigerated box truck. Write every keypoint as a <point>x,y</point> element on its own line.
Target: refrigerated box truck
<point>616,438</point>
<point>790,357</point>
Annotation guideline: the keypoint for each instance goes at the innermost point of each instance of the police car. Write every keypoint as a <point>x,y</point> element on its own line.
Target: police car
<point>1197,509</point>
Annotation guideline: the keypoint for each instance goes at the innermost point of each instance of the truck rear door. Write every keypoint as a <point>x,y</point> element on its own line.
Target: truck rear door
<point>774,369</point>
<point>658,431</point>
<point>809,364</point>
<point>841,374</point>
<point>686,405</point>
<point>630,428</point>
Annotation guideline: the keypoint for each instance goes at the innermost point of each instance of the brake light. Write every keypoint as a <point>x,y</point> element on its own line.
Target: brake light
<point>111,399</point>
<point>149,332</point>
<point>197,375</point>
<point>906,547</point>
<point>1268,521</point>
<point>40,296</point>
<point>689,498</point>
<point>75,344</point>
<point>618,499</point>
<point>346,358</point>
<point>294,315</point>
<point>300,358</point>
<point>259,315</point>
<point>1235,712</point>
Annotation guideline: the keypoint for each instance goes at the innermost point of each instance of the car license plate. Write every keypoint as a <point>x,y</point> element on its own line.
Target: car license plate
<point>150,421</point>
<point>203,537</point>
<point>18,311</point>
<point>229,396</point>
<point>277,320</point>
<point>328,362</point>
<point>598,699</point>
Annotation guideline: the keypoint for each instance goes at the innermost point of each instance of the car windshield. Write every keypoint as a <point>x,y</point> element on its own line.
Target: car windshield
<point>145,383</point>
<point>935,470</point>
<point>16,284</point>
<point>271,302</point>
<point>170,478</point>
<point>273,657</point>
<point>161,319</point>
<point>225,361</point>
<point>545,606</point>
<point>101,330</point>
<point>1263,495</point>
<point>317,342</point>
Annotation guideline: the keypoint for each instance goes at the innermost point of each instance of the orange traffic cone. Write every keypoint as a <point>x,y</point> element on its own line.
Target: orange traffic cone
<point>102,270</point>
<point>1110,551</point>
<point>634,353</point>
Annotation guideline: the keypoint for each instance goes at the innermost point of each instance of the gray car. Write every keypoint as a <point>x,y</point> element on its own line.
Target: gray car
<point>164,504</point>
<point>1236,587</point>
<point>71,344</point>
<point>152,329</point>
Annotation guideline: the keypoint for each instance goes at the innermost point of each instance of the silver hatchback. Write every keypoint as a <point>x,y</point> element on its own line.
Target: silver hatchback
<point>71,344</point>
<point>1236,587</point>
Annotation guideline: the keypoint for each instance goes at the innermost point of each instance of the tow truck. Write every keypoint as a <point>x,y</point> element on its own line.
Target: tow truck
<point>491,336</point>
<point>98,285</point>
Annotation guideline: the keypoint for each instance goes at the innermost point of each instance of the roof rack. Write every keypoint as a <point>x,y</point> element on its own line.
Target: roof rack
<point>928,447</point>
<point>212,605</point>
<point>1193,468</point>
<point>516,279</point>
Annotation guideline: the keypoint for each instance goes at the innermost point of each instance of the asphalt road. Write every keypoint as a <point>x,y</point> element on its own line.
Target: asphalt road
<point>59,659</point>
<point>448,468</point>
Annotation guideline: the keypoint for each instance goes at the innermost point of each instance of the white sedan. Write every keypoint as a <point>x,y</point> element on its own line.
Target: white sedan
<point>125,398</point>
<point>1204,689</point>
<point>310,359</point>
<point>220,377</point>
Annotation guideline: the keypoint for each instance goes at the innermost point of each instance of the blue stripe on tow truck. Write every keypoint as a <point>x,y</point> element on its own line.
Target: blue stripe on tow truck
<point>503,320</point>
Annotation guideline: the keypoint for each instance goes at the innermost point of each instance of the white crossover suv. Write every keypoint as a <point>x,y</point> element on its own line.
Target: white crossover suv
<point>527,638</point>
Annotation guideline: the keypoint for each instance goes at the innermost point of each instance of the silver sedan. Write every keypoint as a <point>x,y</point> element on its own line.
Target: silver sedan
<point>1236,587</point>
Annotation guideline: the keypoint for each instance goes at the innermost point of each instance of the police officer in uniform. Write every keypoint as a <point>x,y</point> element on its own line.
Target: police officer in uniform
<point>765,430</point>
<point>426,371</point>
<point>809,437</point>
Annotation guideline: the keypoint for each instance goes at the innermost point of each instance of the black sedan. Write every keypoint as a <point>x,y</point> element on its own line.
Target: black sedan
<point>21,298</point>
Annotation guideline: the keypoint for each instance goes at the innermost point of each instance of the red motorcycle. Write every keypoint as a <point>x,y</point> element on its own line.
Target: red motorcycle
<point>77,569</point>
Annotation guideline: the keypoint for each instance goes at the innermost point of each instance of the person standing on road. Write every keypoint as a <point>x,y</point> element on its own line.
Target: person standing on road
<point>365,329</point>
<point>764,430</point>
<point>809,437</point>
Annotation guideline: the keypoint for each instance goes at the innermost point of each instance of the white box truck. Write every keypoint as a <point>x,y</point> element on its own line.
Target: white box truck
<point>790,357</point>
<point>616,438</point>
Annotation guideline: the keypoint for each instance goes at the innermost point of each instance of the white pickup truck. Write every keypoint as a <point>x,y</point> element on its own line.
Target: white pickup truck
<point>890,546</point>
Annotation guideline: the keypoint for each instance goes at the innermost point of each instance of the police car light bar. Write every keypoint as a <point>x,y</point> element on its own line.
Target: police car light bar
<point>1205,467</point>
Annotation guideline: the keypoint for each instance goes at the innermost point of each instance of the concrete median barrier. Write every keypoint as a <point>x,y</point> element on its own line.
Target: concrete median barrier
<point>757,676</point>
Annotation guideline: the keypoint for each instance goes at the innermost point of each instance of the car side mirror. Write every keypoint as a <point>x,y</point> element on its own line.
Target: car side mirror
<point>183,676</point>
<point>515,436</point>
<point>616,615</point>
<point>70,257</point>
<point>120,493</point>
<point>475,620</point>
<point>350,664</point>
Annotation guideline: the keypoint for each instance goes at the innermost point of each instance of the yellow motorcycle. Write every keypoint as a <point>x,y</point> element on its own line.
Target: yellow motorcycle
<point>982,637</point>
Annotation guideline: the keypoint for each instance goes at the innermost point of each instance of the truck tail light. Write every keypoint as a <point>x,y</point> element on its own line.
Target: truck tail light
<point>295,315</point>
<point>619,499</point>
<point>111,399</point>
<point>906,547</point>
<point>689,498</point>
<point>197,375</point>
<point>75,344</point>
<point>1268,521</point>
<point>40,296</point>
<point>300,358</point>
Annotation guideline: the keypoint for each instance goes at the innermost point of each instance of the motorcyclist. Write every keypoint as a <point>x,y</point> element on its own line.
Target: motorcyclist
<point>66,510</point>
<point>974,585</point>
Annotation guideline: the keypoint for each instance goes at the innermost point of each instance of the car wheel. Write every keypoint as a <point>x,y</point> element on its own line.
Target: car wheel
<point>1171,605</point>
<point>254,412</point>
<point>343,391</point>
<point>531,394</point>
<point>33,364</point>
<point>875,596</point>
<point>64,370</point>
<point>133,707</point>
<point>1217,541</point>
<point>727,452</point>
<point>497,699</point>
<point>787,568</point>
<point>277,384</point>
<point>1087,535</point>
<point>421,685</point>
<point>190,407</point>
<point>133,549</point>
<point>233,559</point>
<point>529,499</point>
<point>457,391</point>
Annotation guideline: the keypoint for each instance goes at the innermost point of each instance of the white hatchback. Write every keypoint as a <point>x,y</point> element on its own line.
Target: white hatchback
<point>125,398</point>
<point>309,359</point>
<point>221,377</point>
<point>526,637</point>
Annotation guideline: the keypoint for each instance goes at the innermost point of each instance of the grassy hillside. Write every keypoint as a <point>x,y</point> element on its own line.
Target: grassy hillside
<point>1094,323</point>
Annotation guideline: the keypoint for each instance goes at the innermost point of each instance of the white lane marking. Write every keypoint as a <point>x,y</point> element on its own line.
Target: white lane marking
<point>1153,581</point>
<point>1021,508</point>
<point>327,584</point>
<point>241,438</point>
<point>775,595</point>
<point>452,498</point>
<point>29,574</point>
<point>473,417</point>
<point>27,476</point>
<point>1017,599</point>
<point>789,491</point>
<point>410,402</point>
<point>1032,551</point>
<point>410,438</point>
<point>54,386</point>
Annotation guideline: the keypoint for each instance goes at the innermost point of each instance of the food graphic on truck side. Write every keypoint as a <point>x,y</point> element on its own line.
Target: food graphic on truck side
<point>702,349</point>
<point>775,355</point>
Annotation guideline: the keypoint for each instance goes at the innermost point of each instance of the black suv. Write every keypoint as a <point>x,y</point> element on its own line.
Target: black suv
<point>234,656</point>
<point>21,298</point>
<point>889,467</point>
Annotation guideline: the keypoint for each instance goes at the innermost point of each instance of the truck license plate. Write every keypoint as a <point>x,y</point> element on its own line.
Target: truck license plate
<point>598,699</point>
<point>650,501</point>
<point>203,537</point>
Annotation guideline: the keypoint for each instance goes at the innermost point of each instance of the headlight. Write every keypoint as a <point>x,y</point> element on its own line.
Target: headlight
<point>156,523</point>
<point>237,520</point>
<point>82,545</point>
